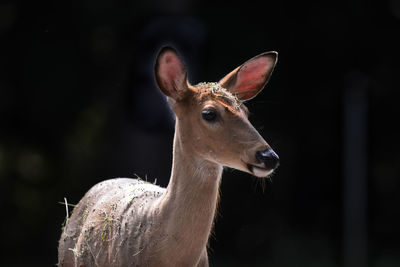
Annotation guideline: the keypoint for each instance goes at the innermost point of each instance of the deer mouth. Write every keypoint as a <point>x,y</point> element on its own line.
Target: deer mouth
<point>259,171</point>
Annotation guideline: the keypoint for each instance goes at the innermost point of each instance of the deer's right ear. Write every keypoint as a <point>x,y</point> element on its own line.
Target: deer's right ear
<point>247,80</point>
<point>170,73</point>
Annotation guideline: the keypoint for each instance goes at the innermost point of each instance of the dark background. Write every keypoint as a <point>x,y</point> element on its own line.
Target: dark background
<point>78,104</point>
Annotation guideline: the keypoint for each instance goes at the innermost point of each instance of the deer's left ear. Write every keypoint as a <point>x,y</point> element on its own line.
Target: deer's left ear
<point>247,80</point>
<point>170,73</point>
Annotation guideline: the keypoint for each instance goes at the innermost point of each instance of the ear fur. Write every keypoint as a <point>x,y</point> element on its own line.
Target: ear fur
<point>170,73</point>
<point>247,80</point>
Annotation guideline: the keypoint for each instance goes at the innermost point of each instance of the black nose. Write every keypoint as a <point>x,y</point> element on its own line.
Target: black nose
<point>269,158</point>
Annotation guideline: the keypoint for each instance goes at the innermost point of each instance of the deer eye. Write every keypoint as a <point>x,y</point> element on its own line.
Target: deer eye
<point>209,115</point>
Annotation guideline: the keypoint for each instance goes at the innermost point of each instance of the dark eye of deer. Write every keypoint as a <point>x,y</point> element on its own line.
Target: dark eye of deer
<point>209,115</point>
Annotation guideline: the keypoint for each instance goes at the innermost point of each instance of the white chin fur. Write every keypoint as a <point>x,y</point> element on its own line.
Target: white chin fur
<point>259,172</point>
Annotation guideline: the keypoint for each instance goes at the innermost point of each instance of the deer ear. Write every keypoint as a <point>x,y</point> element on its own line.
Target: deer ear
<point>247,80</point>
<point>170,73</point>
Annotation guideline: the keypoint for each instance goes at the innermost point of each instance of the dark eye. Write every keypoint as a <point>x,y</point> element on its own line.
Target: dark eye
<point>209,115</point>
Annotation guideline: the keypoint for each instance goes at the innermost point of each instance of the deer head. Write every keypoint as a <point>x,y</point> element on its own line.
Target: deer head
<point>212,121</point>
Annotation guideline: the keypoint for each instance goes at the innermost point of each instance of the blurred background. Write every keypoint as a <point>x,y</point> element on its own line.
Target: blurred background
<point>78,104</point>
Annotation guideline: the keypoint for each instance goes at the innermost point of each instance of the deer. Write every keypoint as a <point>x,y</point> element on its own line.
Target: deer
<point>131,222</point>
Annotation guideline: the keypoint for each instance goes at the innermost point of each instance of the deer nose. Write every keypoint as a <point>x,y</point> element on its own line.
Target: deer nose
<point>269,158</point>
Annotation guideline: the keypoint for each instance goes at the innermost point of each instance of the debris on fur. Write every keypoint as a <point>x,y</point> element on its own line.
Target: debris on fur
<point>219,91</point>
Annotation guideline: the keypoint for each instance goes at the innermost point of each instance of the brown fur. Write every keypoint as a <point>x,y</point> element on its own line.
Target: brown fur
<point>129,222</point>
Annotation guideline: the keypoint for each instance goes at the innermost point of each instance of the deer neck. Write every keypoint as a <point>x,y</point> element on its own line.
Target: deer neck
<point>190,172</point>
<point>189,204</point>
